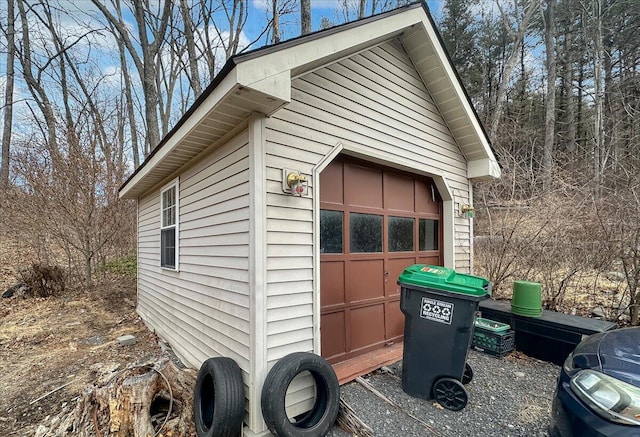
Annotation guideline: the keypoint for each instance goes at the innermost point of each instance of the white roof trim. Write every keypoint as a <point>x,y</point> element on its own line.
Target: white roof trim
<point>460,93</point>
<point>480,169</point>
<point>225,87</point>
<point>335,45</point>
<point>261,81</point>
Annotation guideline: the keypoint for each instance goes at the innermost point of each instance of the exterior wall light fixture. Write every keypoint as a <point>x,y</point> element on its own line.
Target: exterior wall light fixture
<point>467,211</point>
<point>294,183</point>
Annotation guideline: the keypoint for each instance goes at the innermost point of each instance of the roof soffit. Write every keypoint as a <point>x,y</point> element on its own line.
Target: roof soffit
<point>425,49</point>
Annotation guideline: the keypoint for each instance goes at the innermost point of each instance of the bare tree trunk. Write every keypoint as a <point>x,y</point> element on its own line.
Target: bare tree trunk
<point>550,116</point>
<point>87,270</point>
<point>8,97</point>
<point>148,78</point>
<point>150,52</point>
<point>363,4</point>
<point>523,20</point>
<point>598,90</point>
<point>131,115</point>
<point>276,22</point>
<point>205,41</point>
<point>305,16</point>
<point>236,18</point>
<point>568,93</point>
<point>609,123</point>
<point>194,78</point>
<point>36,88</point>
<point>580,137</point>
<point>168,73</point>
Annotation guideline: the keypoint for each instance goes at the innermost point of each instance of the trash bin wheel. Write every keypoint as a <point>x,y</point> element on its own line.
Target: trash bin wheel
<point>467,376</point>
<point>450,393</point>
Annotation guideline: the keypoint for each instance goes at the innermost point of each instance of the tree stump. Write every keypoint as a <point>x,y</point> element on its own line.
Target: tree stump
<point>154,399</point>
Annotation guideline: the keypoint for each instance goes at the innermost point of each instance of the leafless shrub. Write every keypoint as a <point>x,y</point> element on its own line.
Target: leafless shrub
<point>69,213</point>
<point>617,221</point>
<point>43,280</point>
<point>543,236</point>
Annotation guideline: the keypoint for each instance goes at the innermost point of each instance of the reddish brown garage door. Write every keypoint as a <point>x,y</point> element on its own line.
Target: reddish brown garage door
<point>374,222</point>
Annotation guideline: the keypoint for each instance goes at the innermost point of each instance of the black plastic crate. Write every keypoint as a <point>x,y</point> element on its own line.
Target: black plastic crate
<point>497,344</point>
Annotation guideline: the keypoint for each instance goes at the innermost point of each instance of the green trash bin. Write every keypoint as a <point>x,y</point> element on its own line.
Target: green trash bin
<point>439,306</point>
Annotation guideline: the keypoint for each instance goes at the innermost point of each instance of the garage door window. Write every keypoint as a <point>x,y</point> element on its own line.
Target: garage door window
<point>428,234</point>
<point>365,232</point>
<point>330,231</point>
<point>401,234</point>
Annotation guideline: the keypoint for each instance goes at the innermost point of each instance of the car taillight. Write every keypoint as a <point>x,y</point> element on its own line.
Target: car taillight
<point>609,397</point>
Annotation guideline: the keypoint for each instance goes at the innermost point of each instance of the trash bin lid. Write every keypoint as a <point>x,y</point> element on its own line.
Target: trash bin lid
<point>442,278</point>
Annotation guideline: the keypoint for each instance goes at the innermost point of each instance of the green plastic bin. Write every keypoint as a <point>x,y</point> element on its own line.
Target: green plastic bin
<point>527,299</point>
<point>491,325</point>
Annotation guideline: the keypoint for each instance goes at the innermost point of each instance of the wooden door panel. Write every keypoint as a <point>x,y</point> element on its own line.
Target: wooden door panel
<point>364,280</point>
<point>331,184</point>
<point>332,334</point>
<point>394,321</point>
<point>332,283</point>
<point>367,326</point>
<point>399,192</point>
<point>433,260</point>
<point>395,267</point>
<point>362,186</point>
<point>425,201</point>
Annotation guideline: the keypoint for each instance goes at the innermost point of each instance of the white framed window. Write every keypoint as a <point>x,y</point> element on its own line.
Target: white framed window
<point>169,218</point>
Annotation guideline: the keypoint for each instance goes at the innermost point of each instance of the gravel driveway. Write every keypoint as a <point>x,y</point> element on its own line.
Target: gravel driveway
<point>508,397</point>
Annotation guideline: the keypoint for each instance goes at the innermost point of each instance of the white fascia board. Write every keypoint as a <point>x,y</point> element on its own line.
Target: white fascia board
<point>276,86</point>
<point>227,86</point>
<point>455,84</point>
<point>253,72</point>
<point>485,168</point>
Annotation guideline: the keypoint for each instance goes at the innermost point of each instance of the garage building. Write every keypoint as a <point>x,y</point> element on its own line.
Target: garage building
<point>278,213</point>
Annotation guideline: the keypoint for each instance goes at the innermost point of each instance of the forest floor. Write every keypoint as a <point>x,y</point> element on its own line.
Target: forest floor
<point>51,348</point>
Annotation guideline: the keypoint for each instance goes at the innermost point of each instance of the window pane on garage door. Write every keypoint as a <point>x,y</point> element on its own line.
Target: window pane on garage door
<point>330,231</point>
<point>429,236</point>
<point>401,234</point>
<point>366,233</point>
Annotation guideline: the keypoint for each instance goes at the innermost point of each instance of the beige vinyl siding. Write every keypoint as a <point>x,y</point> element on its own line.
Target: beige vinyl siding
<point>149,230</point>
<point>202,310</point>
<point>378,101</point>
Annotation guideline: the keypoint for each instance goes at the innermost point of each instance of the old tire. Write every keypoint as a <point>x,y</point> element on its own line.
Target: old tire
<point>218,399</point>
<point>319,420</point>
<point>450,393</point>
